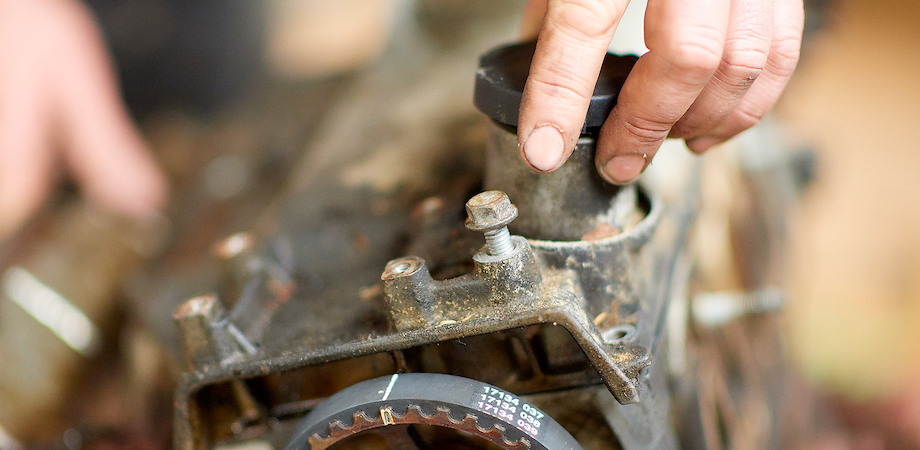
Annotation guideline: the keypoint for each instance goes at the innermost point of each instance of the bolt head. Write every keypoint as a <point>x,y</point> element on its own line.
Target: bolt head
<point>206,307</point>
<point>402,267</point>
<point>489,210</point>
<point>234,245</point>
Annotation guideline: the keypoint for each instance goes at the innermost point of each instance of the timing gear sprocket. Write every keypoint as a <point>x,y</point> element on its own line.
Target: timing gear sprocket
<point>422,411</point>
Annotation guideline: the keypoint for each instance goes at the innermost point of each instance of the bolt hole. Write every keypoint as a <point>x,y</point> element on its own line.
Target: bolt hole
<point>618,333</point>
<point>401,268</point>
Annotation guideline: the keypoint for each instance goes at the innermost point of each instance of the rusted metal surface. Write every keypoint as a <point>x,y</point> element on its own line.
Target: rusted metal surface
<point>582,300</point>
<point>529,320</point>
<point>489,210</point>
<point>575,317</point>
<point>510,306</point>
<point>59,294</point>
<point>576,198</point>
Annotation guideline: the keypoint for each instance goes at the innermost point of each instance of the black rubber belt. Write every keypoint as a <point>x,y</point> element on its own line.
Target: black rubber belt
<point>460,396</point>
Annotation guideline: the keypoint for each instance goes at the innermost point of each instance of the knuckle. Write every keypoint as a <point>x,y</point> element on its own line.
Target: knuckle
<point>589,18</point>
<point>748,50</point>
<point>565,87</point>
<point>644,131</point>
<point>698,53</point>
<point>784,55</point>
<point>748,39</point>
<point>739,69</point>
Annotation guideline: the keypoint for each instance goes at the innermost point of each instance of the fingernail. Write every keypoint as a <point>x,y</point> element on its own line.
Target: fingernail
<point>623,169</point>
<point>544,148</point>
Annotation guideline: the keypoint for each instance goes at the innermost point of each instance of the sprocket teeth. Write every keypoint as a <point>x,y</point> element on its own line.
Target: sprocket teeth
<point>414,412</point>
<point>337,428</point>
<point>470,424</point>
<point>362,421</point>
<point>415,415</point>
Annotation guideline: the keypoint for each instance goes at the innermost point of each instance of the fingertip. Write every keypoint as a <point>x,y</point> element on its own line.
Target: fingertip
<point>544,149</point>
<point>622,169</point>
<point>702,143</point>
<point>152,195</point>
<point>135,188</point>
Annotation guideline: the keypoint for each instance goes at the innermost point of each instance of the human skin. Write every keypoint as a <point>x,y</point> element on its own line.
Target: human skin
<point>60,108</point>
<point>714,68</point>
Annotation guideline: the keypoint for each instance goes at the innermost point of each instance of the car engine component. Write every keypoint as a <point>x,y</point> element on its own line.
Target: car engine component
<point>394,407</point>
<point>568,311</point>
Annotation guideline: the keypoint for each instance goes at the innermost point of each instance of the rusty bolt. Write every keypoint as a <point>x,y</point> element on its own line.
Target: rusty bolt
<point>207,336</point>
<point>714,309</point>
<point>490,212</point>
<point>195,319</point>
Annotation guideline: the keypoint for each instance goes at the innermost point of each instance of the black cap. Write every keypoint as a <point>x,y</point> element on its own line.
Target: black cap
<point>503,71</point>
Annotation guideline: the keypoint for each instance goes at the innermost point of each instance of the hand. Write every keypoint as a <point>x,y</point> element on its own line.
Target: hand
<point>714,68</point>
<point>59,101</point>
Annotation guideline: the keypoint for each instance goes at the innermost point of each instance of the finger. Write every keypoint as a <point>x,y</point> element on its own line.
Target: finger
<point>685,40</point>
<point>788,22</point>
<point>566,63</point>
<point>747,46</point>
<point>25,150</point>
<point>532,20</point>
<point>103,148</point>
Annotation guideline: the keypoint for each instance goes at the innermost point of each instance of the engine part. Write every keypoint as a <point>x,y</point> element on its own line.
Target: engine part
<point>581,298</point>
<point>491,212</point>
<point>58,303</point>
<point>530,315</point>
<point>393,407</point>
<point>581,204</point>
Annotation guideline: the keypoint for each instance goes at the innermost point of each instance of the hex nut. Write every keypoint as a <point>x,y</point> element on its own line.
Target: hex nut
<point>489,210</point>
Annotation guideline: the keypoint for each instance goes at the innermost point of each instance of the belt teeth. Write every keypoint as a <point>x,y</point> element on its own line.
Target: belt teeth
<point>414,415</point>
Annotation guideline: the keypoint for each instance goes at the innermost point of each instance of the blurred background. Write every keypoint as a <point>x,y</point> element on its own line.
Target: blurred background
<point>229,94</point>
<point>856,254</point>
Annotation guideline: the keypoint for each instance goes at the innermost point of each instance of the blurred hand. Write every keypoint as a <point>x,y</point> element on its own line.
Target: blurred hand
<point>713,69</point>
<point>59,104</point>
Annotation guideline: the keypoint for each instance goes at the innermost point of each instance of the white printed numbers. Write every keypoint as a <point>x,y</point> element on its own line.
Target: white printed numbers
<point>530,429</point>
<point>530,419</point>
<point>499,403</point>
<point>496,411</point>
<point>493,392</point>
<point>505,406</point>
<point>537,414</point>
